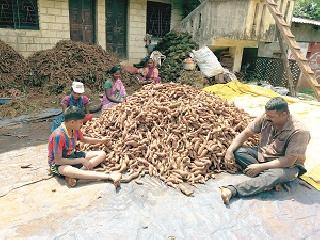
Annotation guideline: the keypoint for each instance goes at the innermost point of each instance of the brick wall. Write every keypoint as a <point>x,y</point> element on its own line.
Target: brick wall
<point>176,12</point>
<point>101,23</point>
<point>53,24</point>
<point>137,24</point>
<point>137,27</point>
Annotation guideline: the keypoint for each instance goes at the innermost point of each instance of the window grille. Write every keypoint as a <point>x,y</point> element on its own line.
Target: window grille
<point>20,14</point>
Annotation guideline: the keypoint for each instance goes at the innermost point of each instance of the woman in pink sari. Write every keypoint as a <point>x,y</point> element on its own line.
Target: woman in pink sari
<point>114,91</point>
<point>150,73</point>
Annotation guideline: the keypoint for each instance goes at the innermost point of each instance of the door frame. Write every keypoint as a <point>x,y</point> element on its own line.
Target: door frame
<point>94,18</point>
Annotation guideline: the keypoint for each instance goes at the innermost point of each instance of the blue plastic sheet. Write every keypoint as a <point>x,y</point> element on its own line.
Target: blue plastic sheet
<point>46,113</point>
<point>155,211</point>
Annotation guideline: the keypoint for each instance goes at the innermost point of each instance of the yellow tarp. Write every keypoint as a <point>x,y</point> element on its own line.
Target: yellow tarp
<point>252,99</point>
<point>236,89</point>
<point>313,177</point>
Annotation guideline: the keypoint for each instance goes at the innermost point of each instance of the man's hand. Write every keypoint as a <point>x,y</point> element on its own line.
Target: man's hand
<point>253,170</point>
<point>229,159</point>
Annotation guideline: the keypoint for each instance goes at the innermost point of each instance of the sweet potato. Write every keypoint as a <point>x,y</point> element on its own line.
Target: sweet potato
<point>173,132</point>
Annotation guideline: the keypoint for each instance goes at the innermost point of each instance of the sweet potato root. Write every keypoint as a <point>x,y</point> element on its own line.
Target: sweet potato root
<point>173,132</point>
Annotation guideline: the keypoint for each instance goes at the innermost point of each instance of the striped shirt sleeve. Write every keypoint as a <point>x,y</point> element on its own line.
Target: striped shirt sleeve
<point>58,144</point>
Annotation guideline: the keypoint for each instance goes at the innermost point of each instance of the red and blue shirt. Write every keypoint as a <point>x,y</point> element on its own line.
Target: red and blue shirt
<point>61,144</point>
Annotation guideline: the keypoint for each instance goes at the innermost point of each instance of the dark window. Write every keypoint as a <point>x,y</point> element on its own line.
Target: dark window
<point>158,18</point>
<point>22,14</point>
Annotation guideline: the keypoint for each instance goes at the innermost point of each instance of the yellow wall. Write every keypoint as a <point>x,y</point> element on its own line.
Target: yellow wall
<point>53,23</point>
<point>137,25</point>
<point>176,12</point>
<point>236,48</point>
<point>54,26</point>
<point>101,23</point>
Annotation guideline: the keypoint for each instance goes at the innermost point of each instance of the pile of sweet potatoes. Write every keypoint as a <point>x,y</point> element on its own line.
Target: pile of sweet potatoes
<point>173,132</point>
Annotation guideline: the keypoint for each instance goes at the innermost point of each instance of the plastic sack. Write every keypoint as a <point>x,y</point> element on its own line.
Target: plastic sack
<point>207,62</point>
<point>231,76</point>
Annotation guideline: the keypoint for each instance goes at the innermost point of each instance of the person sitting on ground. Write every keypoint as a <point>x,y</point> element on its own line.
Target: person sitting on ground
<point>114,91</point>
<point>150,73</point>
<point>65,161</point>
<point>279,158</point>
<point>76,98</point>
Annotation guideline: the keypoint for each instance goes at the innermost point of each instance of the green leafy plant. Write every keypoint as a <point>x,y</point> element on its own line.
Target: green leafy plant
<point>307,9</point>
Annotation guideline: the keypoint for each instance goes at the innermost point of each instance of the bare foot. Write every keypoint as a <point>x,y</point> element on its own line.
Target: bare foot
<point>116,177</point>
<point>225,194</point>
<point>282,186</point>
<point>71,182</point>
<point>278,187</point>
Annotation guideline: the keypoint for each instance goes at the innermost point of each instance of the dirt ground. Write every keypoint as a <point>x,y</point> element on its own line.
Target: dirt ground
<point>34,101</point>
<point>23,160</point>
<point>23,135</point>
